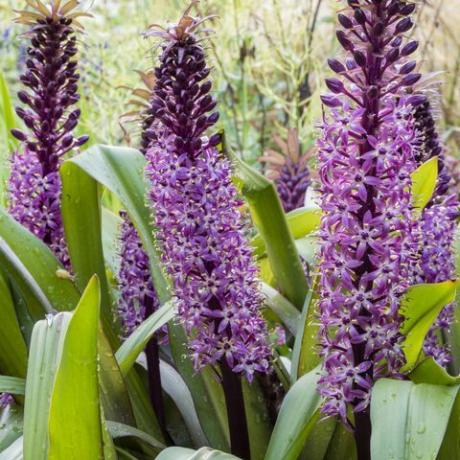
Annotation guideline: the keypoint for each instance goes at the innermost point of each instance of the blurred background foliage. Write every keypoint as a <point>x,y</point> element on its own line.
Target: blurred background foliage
<point>269,59</point>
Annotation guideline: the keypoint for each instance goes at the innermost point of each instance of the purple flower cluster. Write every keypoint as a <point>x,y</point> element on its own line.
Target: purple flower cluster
<point>438,226</point>
<point>292,184</point>
<point>51,80</point>
<point>200,228</point>
<point>366,155</point>
<point>137,294</point>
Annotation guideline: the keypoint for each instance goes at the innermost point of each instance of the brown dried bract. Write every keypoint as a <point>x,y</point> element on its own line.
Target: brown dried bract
<point>54,10</point>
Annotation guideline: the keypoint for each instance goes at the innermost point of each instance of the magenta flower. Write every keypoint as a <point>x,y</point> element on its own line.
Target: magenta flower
<point>50,117</point>
<point>366,155</point>
<point>196,208</point>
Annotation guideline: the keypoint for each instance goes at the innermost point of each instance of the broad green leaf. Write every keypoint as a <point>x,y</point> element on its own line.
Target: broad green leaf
<point>121,170</point>
<point>13,351</point>
<point>420,308</point>
<point>137,341</point>
<point>301,222</point>
<point>11,422</point>
<point>205,453</point>
<point>409,420</point>
<point>450,448</point>
<point>14,452</point>
<point>74,421</point>
<point>37,273</point>
<point>270,220</point>
<point>297,416</point>
<point>81,215</point>
<point>258,418</point>
<point>284,309</point>
<point>45,348</point>
<point>424,183</point>
<point>13,385</point>
<point>305,353</point>
<point>108,446</point>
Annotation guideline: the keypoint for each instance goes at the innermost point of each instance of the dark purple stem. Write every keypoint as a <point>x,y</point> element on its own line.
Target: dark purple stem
<point>236,414</point>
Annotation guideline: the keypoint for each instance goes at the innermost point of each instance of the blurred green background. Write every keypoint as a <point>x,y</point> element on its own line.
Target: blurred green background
<point>268,58</point>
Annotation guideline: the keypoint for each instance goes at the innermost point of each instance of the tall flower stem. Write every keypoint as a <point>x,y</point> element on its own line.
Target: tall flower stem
<point>236,414</point>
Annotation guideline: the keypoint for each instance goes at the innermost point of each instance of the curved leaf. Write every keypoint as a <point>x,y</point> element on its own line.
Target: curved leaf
<point>270,220</point>
<point>120,430</point>
<point>14,451</point>
<point>408,420</point>
<point>35,270</point>
<point>11,422</point>
<point>420,307</point>
<point>205,453</point>
<point>137,341</point>
<point>296,418</point>
<point>81,216</point>
<point>74,422</point>
<point>284,309</point>
<point>301,222</point>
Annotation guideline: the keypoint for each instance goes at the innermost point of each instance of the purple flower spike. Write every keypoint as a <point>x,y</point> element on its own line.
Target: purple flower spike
<point>196,208</point>
<point>366,155</point>
<point>48,113</point>
<point>289,169</point>
<point>438,230</point>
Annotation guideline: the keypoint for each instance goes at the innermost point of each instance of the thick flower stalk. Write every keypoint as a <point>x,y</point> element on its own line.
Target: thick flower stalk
<point>49,114</point>
<point>199,225</point>
<point>289,170</point>
<point>366,157</point>
<point>438,229</point>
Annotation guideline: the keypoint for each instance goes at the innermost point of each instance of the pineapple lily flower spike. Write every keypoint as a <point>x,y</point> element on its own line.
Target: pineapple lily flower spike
<point>366,156</point>
<point>50,116</point>
<point>199,226</point>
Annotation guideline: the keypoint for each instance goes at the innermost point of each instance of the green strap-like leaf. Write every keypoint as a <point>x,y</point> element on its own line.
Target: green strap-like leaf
<point>13,350</point>
<point>30,263</point>
<point>120,430</point>
<point>81,215</point>
<point>14,452</point>
<point>270,220</point>
<point>297,416</point>
<point>137,341</point>
<point>45,348</point>
<point>74,422</point>
<point>11,423</point>
<point>424,183</point>
<point>420,308</point>
<point>13,385</point>
<point>409,421</point>
<point>301,222</point>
